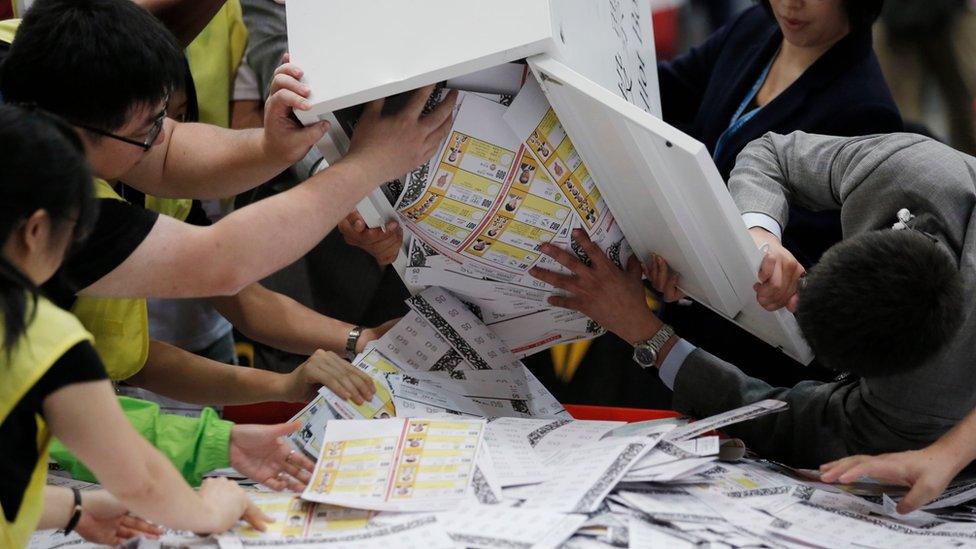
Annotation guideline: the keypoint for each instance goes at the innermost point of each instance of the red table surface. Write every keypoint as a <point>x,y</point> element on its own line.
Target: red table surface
<point>278,412</point>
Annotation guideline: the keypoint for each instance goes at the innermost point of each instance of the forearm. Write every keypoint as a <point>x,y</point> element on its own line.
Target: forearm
<point>58,508</point>
<point>960,441</point>
<point>278,321</point>
<point>242,248</point>
<point>88,420</point>
<point>206,162</point>
<point>157,492</point>
<point>175,373</point>
<point>184,18</point>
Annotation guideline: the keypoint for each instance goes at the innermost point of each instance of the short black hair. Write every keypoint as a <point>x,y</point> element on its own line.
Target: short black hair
<point>860,13</point>
<point>881,302</point>
<point>44,168</point>
<point>91,61</point>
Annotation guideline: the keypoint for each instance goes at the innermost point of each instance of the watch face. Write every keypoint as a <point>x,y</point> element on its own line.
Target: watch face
<point>645,356</point>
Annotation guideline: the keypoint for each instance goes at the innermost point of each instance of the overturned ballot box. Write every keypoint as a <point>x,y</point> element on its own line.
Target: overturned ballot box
<point>559,128</point>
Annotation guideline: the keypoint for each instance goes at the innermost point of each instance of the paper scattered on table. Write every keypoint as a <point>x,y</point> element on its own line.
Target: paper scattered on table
<point>745,413</point>
<point>396,464</point>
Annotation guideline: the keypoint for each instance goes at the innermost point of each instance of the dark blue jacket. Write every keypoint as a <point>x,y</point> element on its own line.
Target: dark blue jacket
<point>843,93</point>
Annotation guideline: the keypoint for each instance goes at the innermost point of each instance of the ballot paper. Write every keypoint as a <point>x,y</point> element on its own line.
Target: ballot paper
<point>396,464</point>
<point>738,415</point>
<point>485,201</point>
<point>535,123</point>
<point>492,527</point>
<point>587,475</point>
<point>424,532</point>
<point>514,457</point>
<point>643,535</point>
<point>313,418</point>
<point>478,214</point>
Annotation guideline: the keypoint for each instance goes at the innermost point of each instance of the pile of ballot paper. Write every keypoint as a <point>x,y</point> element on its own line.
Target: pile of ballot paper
<point>462,447</point>
<point>505,182</point>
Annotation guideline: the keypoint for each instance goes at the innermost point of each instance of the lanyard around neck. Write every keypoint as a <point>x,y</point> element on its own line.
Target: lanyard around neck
<point>741,117</point>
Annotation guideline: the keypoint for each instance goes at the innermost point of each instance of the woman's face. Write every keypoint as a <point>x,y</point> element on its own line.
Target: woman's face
<point>811,23</point>
<point>38,245</point>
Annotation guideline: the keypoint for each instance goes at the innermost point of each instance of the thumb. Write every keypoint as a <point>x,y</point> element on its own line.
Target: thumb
<point>634,266</point>
<point>316,132</point>
<point>792,304</point>
<point>284,429</point>
<point>915,498</point>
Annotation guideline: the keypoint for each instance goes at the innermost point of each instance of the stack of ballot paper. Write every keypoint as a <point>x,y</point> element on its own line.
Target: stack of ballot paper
<point>506,181</point>
<point>451,481</point>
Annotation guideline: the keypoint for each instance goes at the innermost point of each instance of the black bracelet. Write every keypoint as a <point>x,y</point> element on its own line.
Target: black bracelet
<point>76,515</point>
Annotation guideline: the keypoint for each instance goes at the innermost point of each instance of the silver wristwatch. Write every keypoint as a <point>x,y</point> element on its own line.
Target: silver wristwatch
<point>646,352</point>
<point>351,341</point>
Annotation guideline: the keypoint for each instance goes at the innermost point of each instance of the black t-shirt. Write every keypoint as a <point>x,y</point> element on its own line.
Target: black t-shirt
<point>18,432</point>
<point>119,230</point>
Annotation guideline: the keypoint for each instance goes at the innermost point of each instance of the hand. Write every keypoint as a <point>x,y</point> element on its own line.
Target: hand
<point>928,472</point>
<point>663,279</point>
<point>610,296</point>
<point>104,520</point>
<point>228,503</point>
<point>382,245</point>
<point>326,368</point>
<point>372,334</point>
<point>387,147</point>
<point>285,139</point>
<point>260,453</point>
<point>779,273</point>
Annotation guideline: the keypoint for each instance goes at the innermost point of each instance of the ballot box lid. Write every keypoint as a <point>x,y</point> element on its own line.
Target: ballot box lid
<point>354,52</point>
<point>668,198</point>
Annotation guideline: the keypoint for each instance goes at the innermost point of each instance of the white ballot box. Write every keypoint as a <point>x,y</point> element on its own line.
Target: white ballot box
<point>594,62</point>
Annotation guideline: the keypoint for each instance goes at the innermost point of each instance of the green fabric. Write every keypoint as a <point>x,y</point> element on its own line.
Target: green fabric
<point>195,446</point>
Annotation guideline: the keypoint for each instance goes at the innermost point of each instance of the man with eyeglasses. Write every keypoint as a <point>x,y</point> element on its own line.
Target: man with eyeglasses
<point>107,67</point>
<point>890,306</point>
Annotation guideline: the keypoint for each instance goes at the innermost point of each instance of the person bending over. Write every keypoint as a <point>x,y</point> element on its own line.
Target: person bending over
<point>890,309</point>
<point>55,384</point>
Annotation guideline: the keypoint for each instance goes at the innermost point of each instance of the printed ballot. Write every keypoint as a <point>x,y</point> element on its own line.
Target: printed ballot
<point>396,464</point>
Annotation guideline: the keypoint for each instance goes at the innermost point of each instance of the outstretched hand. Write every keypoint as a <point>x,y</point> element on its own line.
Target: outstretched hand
<point>260,453</point>
<point>285,138</point>
<point>612,297</point>
<point>383,245</point>
<point>390,146</point>
<point>779,273</point>
<point>329,369</point>
<point>663,279</point>
<point>104,520</point>
<point>927,472</point>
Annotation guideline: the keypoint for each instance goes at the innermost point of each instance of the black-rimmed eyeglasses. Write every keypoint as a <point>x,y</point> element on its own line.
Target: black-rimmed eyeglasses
<point>154,131</point>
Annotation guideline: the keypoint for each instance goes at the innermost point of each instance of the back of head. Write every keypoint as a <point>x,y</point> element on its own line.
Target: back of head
<point>91,61</point>
<point>44,168</point>
<point>881,302</point>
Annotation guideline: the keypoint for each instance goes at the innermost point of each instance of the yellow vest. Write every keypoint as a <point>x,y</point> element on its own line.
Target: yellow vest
<point>214,56</point>
<point>120,326</point>
<point>51,333</point>
<point>8,29</point>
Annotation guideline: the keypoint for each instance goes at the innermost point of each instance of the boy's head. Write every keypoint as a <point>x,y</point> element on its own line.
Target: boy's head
<point>881,302</point>
<point>106,66</point>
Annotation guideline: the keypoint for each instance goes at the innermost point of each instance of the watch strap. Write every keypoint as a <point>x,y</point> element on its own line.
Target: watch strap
<point>352,340</point>
<point>76,515</point>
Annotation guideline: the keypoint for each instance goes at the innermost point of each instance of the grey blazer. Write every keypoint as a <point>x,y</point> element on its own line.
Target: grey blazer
<point>868,179</point>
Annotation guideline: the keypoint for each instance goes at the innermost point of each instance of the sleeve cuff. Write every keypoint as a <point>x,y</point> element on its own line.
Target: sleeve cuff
<point>215,443</point>
<point>755,219</point>
<point>672,364</point>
